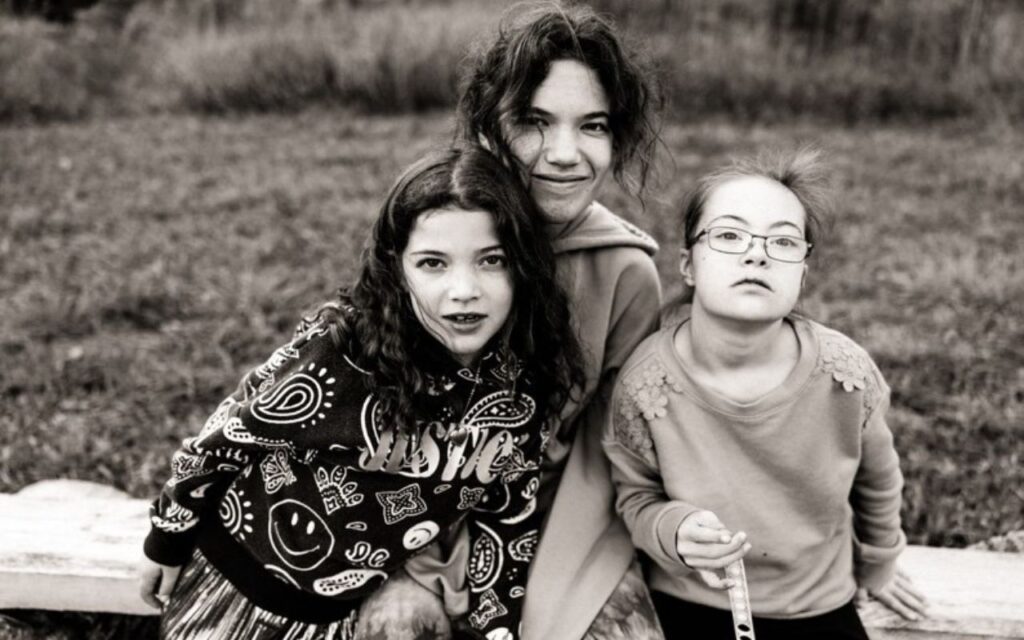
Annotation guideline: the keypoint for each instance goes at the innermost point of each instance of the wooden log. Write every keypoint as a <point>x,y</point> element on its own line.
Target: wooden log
<point>71,546</point>
<point>972,595</point>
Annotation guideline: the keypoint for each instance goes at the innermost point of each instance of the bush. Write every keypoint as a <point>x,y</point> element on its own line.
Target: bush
<point>58,73</point>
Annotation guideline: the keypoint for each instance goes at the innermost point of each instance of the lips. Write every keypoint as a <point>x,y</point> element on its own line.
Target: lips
<point>464,319</point>
<point>754,281</point>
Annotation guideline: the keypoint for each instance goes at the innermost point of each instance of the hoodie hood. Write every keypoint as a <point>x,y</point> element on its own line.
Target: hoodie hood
<point>598,228</point>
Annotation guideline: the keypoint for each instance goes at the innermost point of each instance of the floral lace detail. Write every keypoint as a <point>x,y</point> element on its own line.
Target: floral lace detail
<point>645,399</point>
<point>851,367</point>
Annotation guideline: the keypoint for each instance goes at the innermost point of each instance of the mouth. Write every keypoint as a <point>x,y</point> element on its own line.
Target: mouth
<point>464,319</point>
<point>754,282</point>
<point>559,180</point>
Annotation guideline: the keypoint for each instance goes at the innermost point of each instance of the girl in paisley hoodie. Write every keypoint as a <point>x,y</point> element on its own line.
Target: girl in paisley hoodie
<point>558,96</point>
<point>418,402</point>
<point>749,431</point>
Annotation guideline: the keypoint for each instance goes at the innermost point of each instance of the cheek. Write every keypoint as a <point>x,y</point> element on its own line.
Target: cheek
<point>525,147</point>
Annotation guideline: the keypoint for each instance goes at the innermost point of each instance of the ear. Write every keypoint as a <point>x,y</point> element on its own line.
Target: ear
<point>803,277</point>
<point>686,266</point>
<point>483,142</point>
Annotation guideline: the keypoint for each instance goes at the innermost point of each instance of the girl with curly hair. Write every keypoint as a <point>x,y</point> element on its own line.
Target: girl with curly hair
<point>557,95</point>
<point>418,402</point>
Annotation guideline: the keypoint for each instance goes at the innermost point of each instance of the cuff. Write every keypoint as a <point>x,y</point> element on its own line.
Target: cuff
<point>666,527</point>
<point>876,566</point>
<point>171,550</point>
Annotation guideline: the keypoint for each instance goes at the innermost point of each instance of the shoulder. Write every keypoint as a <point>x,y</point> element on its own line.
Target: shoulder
<point>848,364</point>
<point>641,395</point>
<point>645,381</point>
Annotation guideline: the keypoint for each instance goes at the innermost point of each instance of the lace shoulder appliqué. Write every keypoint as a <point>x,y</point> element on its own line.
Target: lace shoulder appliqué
<point>645,398</point>
<point>850,366</point>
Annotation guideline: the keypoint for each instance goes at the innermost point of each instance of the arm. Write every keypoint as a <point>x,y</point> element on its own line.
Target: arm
<point>207,463</point>
<point>876,507</point>
<point>503,533</point>
<point>674,533</point>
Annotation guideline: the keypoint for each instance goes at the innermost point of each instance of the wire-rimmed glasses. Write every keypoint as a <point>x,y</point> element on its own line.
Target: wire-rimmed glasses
<point>778,247</point>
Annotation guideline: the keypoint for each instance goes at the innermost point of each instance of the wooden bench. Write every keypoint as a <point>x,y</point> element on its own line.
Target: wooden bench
<point>72,546</point>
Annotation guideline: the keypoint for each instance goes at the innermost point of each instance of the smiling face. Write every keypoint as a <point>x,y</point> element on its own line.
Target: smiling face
<point>750,286</point>
<point>458,280</point>
<point>298,535</point>
<point>564,144</point>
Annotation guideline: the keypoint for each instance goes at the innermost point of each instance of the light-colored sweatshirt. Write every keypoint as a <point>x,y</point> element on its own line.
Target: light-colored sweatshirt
<point>808,471</point>
<point>605,266</point>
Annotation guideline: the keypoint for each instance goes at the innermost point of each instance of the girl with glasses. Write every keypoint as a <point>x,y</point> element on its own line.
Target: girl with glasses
<point>746,431</point>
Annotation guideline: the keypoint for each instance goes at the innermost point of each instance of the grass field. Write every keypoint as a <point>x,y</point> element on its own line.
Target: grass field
<point>146,263</point>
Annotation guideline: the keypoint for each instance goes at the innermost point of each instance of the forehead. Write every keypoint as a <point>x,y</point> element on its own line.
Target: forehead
<point>570,87</point>
<point>452,230</point>
<point>758,200</point>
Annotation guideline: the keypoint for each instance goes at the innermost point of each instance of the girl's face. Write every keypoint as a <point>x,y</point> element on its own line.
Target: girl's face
<point>458,279</point>
<point>749,286</point>
<point>564,144</point>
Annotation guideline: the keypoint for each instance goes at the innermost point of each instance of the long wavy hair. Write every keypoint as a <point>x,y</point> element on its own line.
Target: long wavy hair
<point>374,319</point>
<point>504,73</point>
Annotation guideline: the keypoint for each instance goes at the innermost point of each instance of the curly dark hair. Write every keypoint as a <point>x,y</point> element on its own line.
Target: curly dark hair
<point>374,319</point>
<point>502,76</point>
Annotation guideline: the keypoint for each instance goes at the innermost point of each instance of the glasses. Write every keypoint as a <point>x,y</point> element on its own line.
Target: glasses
<point>731,240</point>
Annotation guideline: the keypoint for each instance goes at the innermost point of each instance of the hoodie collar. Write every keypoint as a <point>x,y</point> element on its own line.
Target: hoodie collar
<point>597,227</point>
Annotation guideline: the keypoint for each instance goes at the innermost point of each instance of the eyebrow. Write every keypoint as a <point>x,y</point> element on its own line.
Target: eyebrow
<point>586,116</point>
<point>434,252</point>
<point>781,223</point>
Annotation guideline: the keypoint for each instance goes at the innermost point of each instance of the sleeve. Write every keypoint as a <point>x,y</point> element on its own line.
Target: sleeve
<point>204,465</point>
<point>650,516</point>
<point>876,494</point>
<point>502,543</point>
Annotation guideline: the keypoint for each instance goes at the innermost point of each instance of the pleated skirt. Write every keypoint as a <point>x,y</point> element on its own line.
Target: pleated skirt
<point>205,606</point>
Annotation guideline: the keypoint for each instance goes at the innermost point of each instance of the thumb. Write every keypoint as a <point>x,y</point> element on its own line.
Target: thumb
<point>708,520</point>
<point>168,578</point>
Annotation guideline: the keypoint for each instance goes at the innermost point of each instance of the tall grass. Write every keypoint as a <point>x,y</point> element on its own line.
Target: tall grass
<point>846,60</point>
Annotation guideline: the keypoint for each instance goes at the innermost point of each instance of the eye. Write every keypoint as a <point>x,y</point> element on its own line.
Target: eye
<point>533,121</point>
<point>725,234</point>
<point>783,241</point>
<point>494,260</point>
<point>596,126</point>
<point>430,264</point>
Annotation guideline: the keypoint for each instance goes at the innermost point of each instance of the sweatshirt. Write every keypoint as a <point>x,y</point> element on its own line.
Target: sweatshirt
<point>808,471</point>
<point>605,267</point>
<point>306,501</point>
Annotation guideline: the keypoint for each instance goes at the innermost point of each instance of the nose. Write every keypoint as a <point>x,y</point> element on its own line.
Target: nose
<point>463,285</point>
<point>757,252</point>
<point>560,147</point>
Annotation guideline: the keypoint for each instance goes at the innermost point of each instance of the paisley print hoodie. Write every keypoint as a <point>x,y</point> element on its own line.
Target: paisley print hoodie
<point>306,502</point>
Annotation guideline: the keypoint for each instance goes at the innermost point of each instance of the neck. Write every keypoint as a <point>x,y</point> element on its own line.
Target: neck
<point>719,345</point>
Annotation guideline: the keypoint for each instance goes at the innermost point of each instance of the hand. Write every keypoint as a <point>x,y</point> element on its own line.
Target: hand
<point>404,610</point>
<point>900,595</point>
<point>156,581</point>
<point>703,543</point>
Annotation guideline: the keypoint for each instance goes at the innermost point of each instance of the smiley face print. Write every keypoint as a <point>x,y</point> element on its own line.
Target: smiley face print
<point>299,536</point>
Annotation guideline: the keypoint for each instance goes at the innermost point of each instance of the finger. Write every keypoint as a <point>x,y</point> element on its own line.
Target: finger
<point>147,584</point>
<point>707,520</point>
<point>724,561</point>
<point>709,536</point>
<point>910,600</point>
<point>889,600</point>
<point>711,550</point>
<point>712,579</point>
<point>907,585</point>
<point>168,578</point>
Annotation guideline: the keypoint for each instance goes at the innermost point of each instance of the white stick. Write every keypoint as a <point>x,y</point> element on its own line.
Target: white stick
<point>739,602</point>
